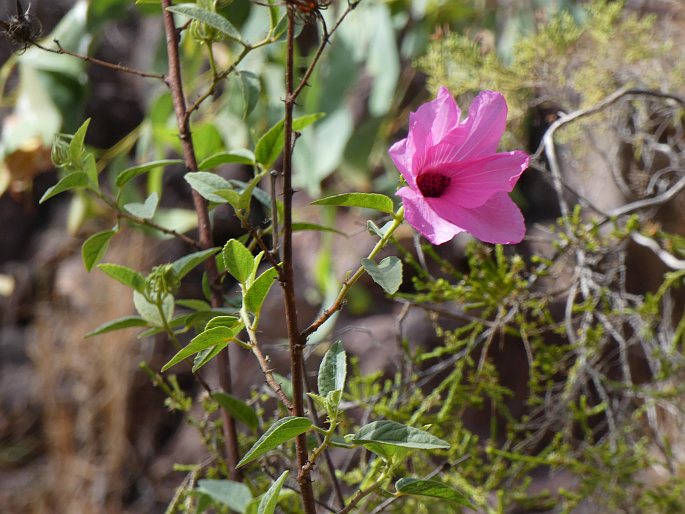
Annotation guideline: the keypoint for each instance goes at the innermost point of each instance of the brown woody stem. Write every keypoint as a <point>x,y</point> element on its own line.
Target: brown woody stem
<point>175,84</point>
<point>296,341</point>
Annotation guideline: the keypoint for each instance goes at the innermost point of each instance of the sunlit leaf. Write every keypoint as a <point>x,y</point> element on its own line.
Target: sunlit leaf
<point>280,432</point>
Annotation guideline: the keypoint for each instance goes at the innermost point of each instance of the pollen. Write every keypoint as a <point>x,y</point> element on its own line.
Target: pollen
<point>432,184</point>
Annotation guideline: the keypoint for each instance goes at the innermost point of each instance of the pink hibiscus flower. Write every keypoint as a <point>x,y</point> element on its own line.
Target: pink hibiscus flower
<point>456,180</point>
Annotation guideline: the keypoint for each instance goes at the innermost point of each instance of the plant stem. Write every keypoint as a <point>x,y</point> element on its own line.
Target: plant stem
<point>175,84</point>
<point>99,62</point>
<point>348,283</point>
<point>295,339</point>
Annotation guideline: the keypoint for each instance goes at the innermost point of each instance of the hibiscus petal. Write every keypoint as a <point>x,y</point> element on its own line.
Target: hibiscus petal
<point>447,115</point>
<point>477,136</point>
<point>498,220</point>
<point>401,155</point>
<point>430,124</point>
<point>483,127</point>
<point>424,219</point>
<point>474,182</point>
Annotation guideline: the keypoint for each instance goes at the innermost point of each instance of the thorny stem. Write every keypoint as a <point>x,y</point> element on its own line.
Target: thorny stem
<point>348,283</point>
<point>295,339</point>
<point>175,84</point>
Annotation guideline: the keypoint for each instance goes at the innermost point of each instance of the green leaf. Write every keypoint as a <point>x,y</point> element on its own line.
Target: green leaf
<point>73,180</point>
<point>432,488</point>
<point>223,321</point>
<point>256,293</point>
<point>118,324</point>
<point>210,18</point>
<point>387,451</point>
<point>270,145</point>
<point>217,336</point>
<point>332,370</point>
<point>397,434</point>
<point>76,147</point>
<point>375,201</point>
<point>125,275</point>
<point>145,210</point>
<point>130,173</point>
<point>185,264</point>
<point>242,156</point>
<point>238,409</point>
<point>387,274</point>
<point>206,355</point>
<point>95,247</point>
<point>238,260</point>
<point>283,430</point>
<point>207,184</point>
<point>246,194</point>
<point>196,305</point>
<point>232,494</point>
<point>280,27</point>
<point>150,312</point>
<point>300,226</point>
<point>90,169</point>
<point>250,86</point>
<point>267,505</point>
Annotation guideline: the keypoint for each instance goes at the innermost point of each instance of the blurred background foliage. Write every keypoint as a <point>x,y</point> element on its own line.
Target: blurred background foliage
<point>551,404</point>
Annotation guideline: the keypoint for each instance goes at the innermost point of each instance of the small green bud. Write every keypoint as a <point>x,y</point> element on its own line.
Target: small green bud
<point>161,281</point>
<point>60,155</point>
<point>201,32</point>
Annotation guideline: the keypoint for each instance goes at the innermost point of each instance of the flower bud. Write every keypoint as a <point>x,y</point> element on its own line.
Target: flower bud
<point>60,155</point>
<point>201,32</point>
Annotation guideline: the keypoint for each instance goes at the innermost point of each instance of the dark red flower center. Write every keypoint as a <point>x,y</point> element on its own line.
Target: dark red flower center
<point>432,184</point>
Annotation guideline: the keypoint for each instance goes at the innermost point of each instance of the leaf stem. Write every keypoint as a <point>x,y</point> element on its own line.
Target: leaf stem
<point>348,283</point>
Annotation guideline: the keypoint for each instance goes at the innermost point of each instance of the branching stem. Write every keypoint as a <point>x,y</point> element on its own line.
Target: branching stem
<point>175,84</point>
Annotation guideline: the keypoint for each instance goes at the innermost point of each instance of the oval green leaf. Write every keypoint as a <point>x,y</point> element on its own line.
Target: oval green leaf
<point>333,370</point>
<point>73,180</point>
<point>185,264</point>
<point>232,494</point>
<point>397,434</point>
<point>95,247</point>
<point>374,201</point>
<point>280,432</point>
<point>125,275</point>
<point>207,184</point>
<point>432,488</point>
<point>130,173</point>
<point>217,336</point>
<point>212,19</point>
<point>118,324</point>
<point>238,260</point>
<point>238,409</point>
<point>256,293</point>
<point>242,156</point>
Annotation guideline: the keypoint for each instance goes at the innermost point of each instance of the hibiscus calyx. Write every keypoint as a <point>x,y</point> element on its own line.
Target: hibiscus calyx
<point>432,184</point>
